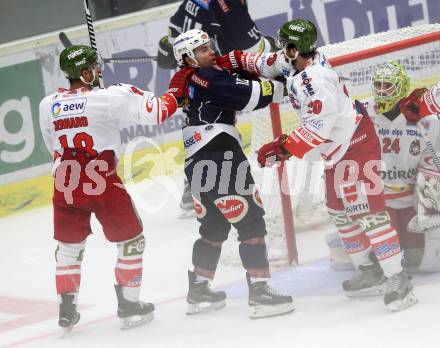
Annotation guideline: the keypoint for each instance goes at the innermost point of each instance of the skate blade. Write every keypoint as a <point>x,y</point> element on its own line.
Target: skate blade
<point>66,332</point>
<point>403,304</point>
<point>195,308</point>
<point>378,290</point>
<point>265,311</point>
<point>136,320</point>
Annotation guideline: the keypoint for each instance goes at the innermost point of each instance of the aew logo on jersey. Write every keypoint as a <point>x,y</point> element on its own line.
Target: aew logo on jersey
<point>414,147</point>
<point>69,107</point>
<point>306,81</point>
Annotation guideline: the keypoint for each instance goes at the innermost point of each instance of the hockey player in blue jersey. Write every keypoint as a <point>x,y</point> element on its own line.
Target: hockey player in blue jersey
<point>220,177</point>
<point>229,26</point>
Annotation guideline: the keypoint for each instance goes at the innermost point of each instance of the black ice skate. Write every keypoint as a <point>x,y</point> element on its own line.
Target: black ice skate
<point>201,298</point>
<point>367,281</point>
<point>68,314</point>
<point>133,314</point>
<point>399,294</point>
<point>266,302</point>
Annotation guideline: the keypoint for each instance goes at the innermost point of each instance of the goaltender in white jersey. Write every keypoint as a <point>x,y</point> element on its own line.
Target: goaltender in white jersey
<point>404,151</point>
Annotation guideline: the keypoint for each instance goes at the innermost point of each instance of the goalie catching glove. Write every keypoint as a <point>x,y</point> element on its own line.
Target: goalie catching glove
<point>179,85</point>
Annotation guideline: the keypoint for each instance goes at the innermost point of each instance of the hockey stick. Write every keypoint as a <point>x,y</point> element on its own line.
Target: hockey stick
<point>64,39</point>
<point>429,145</point>
<point>92,37</point>
<point>145,59</point>
<point>67,43</point>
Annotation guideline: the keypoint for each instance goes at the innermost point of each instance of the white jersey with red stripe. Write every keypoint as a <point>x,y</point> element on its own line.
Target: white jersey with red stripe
<point>327,113</point>
<point>91,119</point>
<point>401,146</point>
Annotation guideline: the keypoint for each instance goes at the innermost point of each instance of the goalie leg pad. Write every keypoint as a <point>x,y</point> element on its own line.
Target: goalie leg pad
<point>431,255</point>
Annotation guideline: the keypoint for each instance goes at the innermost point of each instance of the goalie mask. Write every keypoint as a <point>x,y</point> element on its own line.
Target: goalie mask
<point>300,33</point>
<point>390,85</point>
<point>185,44</point>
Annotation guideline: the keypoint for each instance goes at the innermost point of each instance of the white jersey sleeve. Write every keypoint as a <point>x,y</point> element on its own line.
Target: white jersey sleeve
<point>45,124</point>
<point>129,103</point>
<point>269,65</point>
<point>326,111</point>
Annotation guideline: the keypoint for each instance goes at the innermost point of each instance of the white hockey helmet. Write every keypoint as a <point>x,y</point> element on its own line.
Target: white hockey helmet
<point>187,42</point>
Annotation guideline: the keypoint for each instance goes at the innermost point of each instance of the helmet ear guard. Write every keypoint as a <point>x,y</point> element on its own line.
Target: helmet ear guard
<point>390,84</point>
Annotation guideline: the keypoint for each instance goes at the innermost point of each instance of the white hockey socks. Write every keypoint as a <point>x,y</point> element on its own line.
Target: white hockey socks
<point>68,258</point>
<point>384,241</point>
<point>354,239</point>
<point>128,270</point>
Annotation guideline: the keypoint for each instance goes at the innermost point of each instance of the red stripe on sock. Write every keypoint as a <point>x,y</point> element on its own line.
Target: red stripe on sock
<point>68,283</point>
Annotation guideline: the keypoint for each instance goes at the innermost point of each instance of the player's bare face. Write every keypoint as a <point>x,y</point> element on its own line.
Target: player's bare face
<point>205,55</point>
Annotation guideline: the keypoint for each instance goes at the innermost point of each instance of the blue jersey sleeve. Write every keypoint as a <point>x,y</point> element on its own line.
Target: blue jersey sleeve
<point>230,92</point>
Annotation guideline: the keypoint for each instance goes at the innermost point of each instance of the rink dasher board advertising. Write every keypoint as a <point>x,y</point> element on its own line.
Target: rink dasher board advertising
<point>30,69</point>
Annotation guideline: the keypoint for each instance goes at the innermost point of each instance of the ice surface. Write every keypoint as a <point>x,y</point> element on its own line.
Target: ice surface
<point>324,317</point>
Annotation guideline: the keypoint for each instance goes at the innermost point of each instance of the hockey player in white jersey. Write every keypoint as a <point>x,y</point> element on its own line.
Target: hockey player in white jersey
<point>402,147</point>
<point>81,128</point>
<point>346,139</point>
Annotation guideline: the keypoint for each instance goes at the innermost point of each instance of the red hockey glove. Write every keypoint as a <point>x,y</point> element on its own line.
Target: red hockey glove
<point>231,61</point>
<point>410,106</point>
<point>275,148</point>
<point>179,85</point>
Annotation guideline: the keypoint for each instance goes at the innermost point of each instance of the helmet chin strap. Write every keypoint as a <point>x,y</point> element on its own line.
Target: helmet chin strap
<point>91,82</point>
<point>290,60</point>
